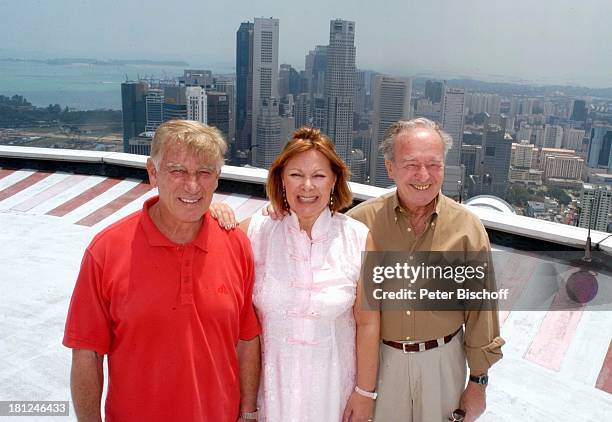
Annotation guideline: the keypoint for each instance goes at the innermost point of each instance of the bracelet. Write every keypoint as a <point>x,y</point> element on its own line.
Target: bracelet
<point>371,395</point>
<point>249,415</point>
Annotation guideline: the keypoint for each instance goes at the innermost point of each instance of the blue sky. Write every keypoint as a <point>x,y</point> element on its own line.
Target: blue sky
<point>547,41</point>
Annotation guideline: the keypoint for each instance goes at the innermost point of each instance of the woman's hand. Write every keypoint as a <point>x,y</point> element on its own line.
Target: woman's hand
<point>358,409</point>
<point>224,214</point>
<point>273,213</point>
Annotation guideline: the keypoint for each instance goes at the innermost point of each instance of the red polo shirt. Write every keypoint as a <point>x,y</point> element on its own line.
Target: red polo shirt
<point>169,317</point>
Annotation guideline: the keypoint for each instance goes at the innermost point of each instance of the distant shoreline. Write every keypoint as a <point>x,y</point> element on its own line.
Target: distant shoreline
<point>98,62</point>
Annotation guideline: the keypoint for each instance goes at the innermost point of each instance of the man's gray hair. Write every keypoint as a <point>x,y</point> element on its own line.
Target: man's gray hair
<point>196,136</point>
<point>388,144</point>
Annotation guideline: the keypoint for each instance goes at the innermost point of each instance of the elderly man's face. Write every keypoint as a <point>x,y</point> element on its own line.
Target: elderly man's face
<point>418,167</point>
<point>186,182</point>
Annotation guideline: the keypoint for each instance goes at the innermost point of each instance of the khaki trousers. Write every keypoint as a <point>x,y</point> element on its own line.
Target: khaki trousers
<point>422,386</point>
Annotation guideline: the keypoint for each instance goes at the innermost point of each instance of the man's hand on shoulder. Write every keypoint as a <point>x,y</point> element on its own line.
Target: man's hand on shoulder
<point>473,401</point>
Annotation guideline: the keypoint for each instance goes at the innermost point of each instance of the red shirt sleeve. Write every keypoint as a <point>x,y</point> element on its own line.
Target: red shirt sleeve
<point>88,325</point>
<point>249,325</point>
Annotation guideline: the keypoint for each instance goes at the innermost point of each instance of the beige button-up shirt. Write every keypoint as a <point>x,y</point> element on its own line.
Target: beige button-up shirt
<point>451,227</point>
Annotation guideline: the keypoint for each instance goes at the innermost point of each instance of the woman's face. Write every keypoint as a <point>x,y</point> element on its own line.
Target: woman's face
<point>308,180</point>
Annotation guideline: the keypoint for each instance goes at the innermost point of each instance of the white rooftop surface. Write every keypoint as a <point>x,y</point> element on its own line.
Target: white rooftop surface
<point>41,252</point>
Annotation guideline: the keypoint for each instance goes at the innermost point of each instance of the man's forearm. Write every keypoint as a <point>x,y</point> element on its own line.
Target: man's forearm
<point>86,384</point>
<point>249,359</point>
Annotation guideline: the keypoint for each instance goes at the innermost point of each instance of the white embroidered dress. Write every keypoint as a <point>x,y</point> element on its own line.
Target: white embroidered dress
<point>304,293</point>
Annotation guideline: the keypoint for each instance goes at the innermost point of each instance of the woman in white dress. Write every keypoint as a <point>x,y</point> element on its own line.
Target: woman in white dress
<point>319,347</point>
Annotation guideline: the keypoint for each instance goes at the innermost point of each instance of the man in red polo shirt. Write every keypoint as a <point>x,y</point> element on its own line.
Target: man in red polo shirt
<point>165,293</point>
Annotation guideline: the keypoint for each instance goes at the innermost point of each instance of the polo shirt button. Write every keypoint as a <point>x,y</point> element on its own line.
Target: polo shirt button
<point>409,229</point>
<point>408,313</point>
<point>408,338</point>
<point>433,224</point>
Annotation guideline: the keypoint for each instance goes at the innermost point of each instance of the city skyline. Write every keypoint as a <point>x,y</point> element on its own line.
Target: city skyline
<point>530,47</point>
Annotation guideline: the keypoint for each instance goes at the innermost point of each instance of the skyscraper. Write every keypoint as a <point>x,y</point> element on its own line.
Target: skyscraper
<point>434,91</point>
<point>175,105</point>
<point>596,203</point>
<point>579,111</point>
<point>265,64</point>
<point>316,64</point>
<point>453,109</point>
<point>133,110</point>
<point>227,85</point>
<point>218,111</point>
<point>496,163</point>
<point>268,133</point>
<point>244,85</point>
<point>553,136</point>
<point>154,102</point>
<point>453,105</point>
<point>340,86</point>
<point>196,103</point>
<point>600,147</point>
<point>391,99</point>
<point>572,138</point>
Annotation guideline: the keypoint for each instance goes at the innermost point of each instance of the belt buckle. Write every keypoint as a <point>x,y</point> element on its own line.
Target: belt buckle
<point>411,343</point>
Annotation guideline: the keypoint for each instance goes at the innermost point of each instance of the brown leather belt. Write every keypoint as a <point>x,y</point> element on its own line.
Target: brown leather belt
<point>421,346</point>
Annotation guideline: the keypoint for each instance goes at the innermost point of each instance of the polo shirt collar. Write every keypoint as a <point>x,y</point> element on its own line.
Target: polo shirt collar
<point>156,238</point>
<point>397,206</point>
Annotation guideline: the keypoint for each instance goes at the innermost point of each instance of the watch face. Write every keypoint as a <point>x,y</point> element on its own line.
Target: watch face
<point>457,416</point>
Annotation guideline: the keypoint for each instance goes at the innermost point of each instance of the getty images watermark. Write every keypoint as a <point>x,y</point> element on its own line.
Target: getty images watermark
<point>499,280</point>
<point>412,273</point>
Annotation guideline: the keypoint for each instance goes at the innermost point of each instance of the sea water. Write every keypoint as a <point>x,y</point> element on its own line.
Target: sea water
<point>81,86</point>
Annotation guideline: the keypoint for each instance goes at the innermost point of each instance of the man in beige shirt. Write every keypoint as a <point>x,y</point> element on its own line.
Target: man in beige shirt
<point>422,374</point>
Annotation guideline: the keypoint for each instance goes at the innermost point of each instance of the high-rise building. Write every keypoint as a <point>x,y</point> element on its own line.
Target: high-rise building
<point>360,93</point>
<point>391,98</point>
<point>196,103</point>
<point>227,85</point>
<point>434,91</point>
<point>244,86</point>
<point>596,205</point>
<point>303,110</point>
<point>268,133</point>
<point>319,112</point>
<point>218,111</point>
<point>496,163</point>
<point>453,108</point>
<point>579,111</point>
<point>316,65</point>
<point>452,116</point>
<point>553,136</point>
<point>175,103</point>
<point>288,81</point>
<point>600,147</point>
<point>471,158</point>
<point>133,110</point>
<point>193,77</point>
<point>154,102</point>
<point>358,166</point>
<point>537,136</point>
<point>572,138</point>
<point>563,167</point>
<point>524,133</point>
<point>340,86</point>
<point>265,66</point>
<point>483,103</point>
<point>522,155</point>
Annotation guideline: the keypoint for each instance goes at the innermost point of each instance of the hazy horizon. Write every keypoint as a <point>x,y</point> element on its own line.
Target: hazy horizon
<point>543,43</point>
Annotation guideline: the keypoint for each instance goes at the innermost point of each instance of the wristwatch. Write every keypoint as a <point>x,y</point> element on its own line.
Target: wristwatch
<point>458,415</point>
<point>480,379</point>
<point>249,415</point>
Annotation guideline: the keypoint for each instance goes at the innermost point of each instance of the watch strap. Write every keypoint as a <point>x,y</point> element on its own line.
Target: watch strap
<point>480,379</point>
